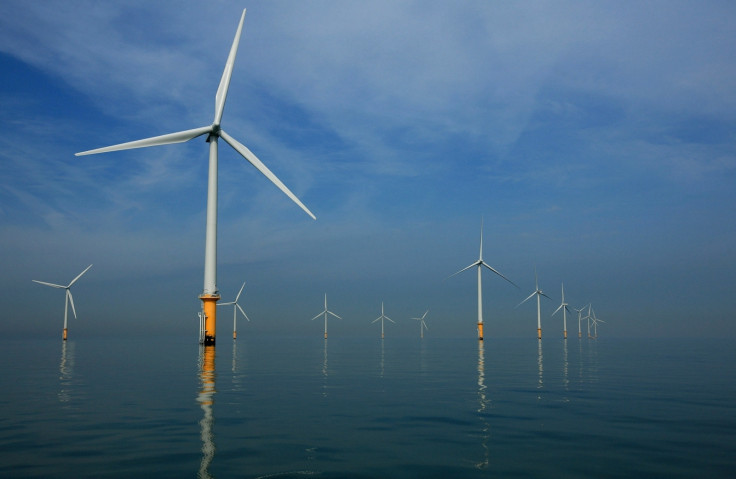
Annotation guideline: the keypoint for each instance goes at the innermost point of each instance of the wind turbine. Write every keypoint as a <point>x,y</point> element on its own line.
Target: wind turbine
<point>68,297</point>
<point>422,324</point>
<point>588,316</point>
<point>236,307</point>
<point>580,314</point>
<point>382,317</point>
<point>210,294</point>
<point>480,263</point>
<point>595,324</point>
<point>565,310</point>
<point>326,312</point>
<point>538,292</point>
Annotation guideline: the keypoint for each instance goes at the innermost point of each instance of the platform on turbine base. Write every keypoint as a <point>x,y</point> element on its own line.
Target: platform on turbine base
<point>209,305</point>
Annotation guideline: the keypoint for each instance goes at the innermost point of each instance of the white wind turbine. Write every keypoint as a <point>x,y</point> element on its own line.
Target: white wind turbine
<point>68,297</point>
<point>326,312</point>
<point>236,307</point>
<point>480,264</point>
<point>588,316</point>
<point>538,292</point>
<point>210,294</point>
<point>595,324</point>
<point>580,318</point>
<point>565,310</point>
<point>382,317</point>
<point>422,324</point>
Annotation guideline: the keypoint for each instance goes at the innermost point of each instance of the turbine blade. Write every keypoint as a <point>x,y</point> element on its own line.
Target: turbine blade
<point>241,310</point>
<point>71,301</point>
<point>464,269</point>
<point>226,304</point>
<point>527,299</point>
<point>376,319</point>
<point>49,284</point>
<point>79,276</point>
<point>248,155</point>
<point>559,308</point>
<point>330,312</point>
<point>239,292</point>
<point>492,269</point>
<point>221,94</point>
<point>320,314</point>
<point>168,139</point>
<point>390,319</point>
<point>542,294</point>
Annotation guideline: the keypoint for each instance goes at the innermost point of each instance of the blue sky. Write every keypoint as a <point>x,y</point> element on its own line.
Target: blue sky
<point>596,139</point>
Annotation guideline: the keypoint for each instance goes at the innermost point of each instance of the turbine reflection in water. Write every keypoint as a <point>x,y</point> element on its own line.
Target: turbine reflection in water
<point>540,363</point>
<point>66,369</point>
<point>205,398</point>
<point>483,403</point>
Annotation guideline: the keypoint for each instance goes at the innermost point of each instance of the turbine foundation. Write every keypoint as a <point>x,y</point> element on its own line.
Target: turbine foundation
<point>235,335</point>
<point>480,331</point>
<point>565,334</point>
<point>539,333</point>
<point>209,304</point>
<point>63,336</point>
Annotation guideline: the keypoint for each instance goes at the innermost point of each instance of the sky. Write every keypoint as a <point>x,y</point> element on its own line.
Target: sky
<point>596,141</point>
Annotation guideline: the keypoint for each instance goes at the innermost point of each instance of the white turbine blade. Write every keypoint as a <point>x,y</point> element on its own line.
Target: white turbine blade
<point>239,292</point>
<point>248,155</point>
<point>168,139</point>
<point>49,284</point>
<point>390,319</point>
<point>330,312</point>
<point>464,269</point>
<point>376,319</point>
<point>425,325</point>
<point>71,301</point>
<point>320,314</point>
<point>559,308</point>
<point>79,276</point>
<point>226,304</point>
<point>492,269</point>
<point>542,294</point>
<point>527,299</point>
<point>424,315</point>
<point>241,310</point>
<point>221,94</point>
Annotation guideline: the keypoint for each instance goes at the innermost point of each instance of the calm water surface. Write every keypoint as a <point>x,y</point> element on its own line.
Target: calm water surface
<point>359,407</point>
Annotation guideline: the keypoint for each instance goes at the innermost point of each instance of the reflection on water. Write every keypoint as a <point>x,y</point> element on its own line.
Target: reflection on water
<point>540,363</point>
<point>205,398</point>
<point>565,379</point>
<point>324,370</point>
<point>66,369</point>
<point>483,403</point>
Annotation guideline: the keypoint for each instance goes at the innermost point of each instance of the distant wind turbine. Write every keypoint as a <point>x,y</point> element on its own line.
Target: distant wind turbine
<point>588,316</point>
<point>538,292</point>
<point>326,312</point>
<point>210,294</point>
<point>382,317</point>
<point>580,318</point>
<point>565,310</point>
<point>68,297</point>
<point>595,324</point>
<point>422,324</point>
<point>236,307</point>
<point>480,264</point>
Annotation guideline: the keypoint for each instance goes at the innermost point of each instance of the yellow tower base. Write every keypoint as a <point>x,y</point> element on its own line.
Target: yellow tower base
<point>64,335</point>
<point>325,335</point>
<point>209,303</point>
<point>480,331</point>
<point>565,334</point>
<point>539,333</point>
<point>235,335</point>
<point>580,335</point>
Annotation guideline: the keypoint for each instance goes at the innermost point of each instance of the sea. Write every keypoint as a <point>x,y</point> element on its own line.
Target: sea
<point>295,407</point>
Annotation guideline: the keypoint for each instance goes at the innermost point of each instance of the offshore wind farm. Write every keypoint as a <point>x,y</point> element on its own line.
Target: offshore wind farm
<point>593,143</point>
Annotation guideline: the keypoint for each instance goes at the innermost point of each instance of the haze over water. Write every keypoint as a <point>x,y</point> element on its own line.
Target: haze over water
<point>362,407</point>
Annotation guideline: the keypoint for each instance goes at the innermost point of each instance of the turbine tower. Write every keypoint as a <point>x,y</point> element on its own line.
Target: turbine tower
<point>382,317</point>
<point>538,292</point>
<point>422,324</point>
<point>563,307</point>
<point>236,307</point>
<point>480,264</point>
<point>326,312</point>
<point>210,294</point>
<point>68,297</point>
